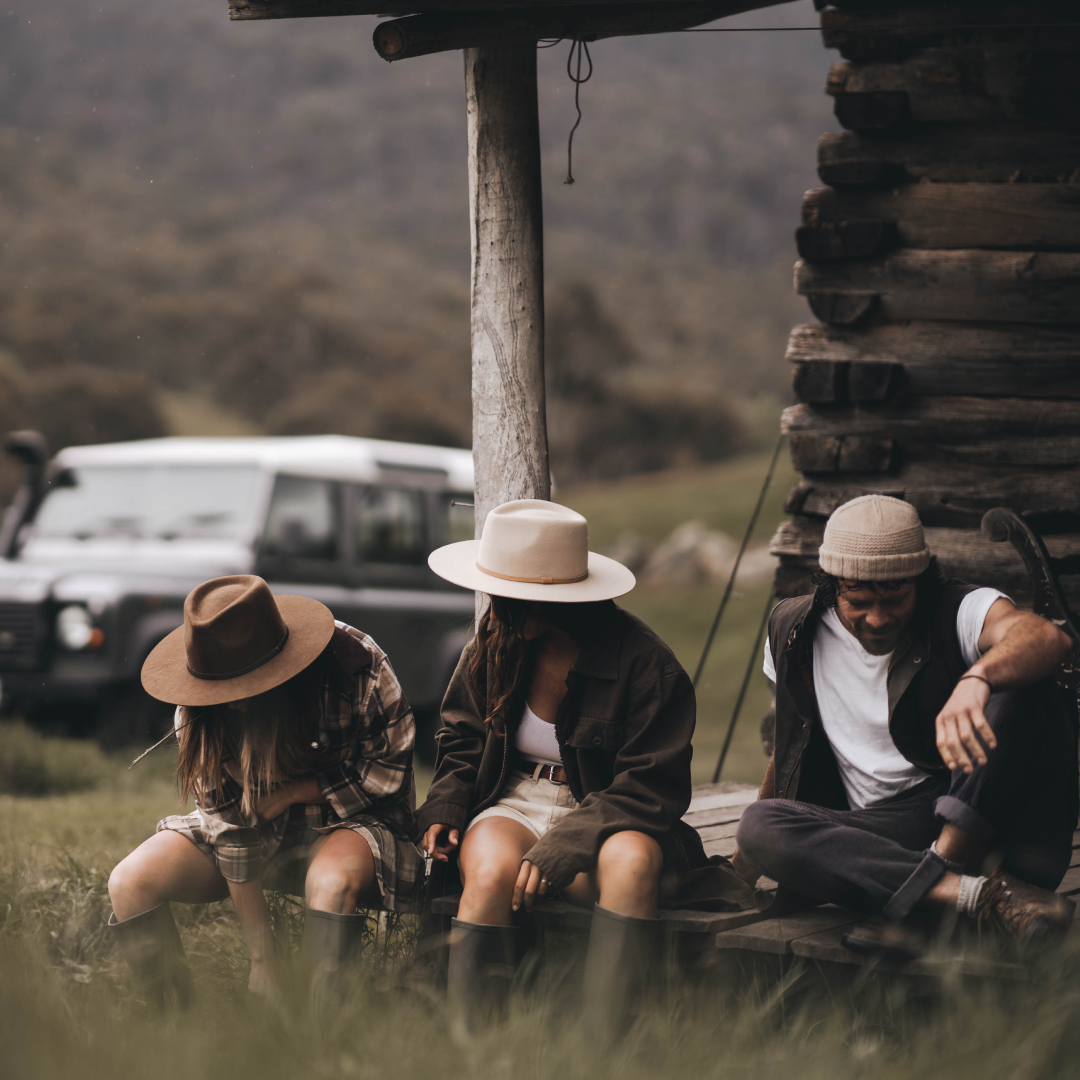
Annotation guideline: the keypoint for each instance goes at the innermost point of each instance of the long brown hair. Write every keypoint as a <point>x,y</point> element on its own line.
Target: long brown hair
<point>261,747</point>
<point>501,650</point>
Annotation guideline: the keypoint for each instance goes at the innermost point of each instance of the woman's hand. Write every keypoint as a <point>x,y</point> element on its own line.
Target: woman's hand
<point>275,803</point>
<point>282,797</point>
<point>435,846</point>
<point>958,723</point>
<point>530,884</point>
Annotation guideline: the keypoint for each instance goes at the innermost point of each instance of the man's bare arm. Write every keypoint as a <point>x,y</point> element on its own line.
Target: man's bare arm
<point>1019,648</point>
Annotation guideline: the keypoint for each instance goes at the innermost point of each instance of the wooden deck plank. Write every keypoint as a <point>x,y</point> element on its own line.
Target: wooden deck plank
<point>717,832</point>
<point>776,935</point>
<point>559,915</point>
<point>706,798</point>
<point>1071,882</point>
<point>828,946</point>
<point>725,846</point>
<point>701,819</point>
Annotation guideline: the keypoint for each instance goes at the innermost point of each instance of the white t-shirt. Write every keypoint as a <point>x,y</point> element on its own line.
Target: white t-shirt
<point>853,701</point>
<point>535,739</point>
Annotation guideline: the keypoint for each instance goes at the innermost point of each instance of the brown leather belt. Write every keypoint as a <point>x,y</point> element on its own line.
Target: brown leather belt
<point>555,773</point>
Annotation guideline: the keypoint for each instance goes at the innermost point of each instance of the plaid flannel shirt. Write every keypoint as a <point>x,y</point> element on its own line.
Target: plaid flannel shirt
<point>363,766</point>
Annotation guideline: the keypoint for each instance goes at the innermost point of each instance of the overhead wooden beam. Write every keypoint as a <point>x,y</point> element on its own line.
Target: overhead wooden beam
<point>307,9</point>
<point>509,421</point>
<point>443,31</point>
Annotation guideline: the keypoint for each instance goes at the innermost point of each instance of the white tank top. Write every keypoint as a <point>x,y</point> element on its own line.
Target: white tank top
<point>535,739</point>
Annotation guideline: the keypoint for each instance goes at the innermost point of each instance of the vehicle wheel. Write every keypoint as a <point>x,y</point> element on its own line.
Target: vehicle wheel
<point>132,718</point>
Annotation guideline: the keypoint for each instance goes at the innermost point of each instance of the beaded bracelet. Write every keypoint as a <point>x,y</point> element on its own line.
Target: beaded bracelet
<point>981,678</point>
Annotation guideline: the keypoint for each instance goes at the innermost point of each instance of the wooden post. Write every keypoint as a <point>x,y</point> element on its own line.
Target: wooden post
<point>510,447</point>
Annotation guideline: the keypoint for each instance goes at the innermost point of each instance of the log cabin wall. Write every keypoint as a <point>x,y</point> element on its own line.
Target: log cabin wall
<point>942,262</point>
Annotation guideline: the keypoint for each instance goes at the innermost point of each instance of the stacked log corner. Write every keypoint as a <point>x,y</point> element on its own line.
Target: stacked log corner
<point>942,262</point>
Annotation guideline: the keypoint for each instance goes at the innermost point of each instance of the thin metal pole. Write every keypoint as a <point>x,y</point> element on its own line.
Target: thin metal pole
<point>755,652</point>
<point>738,559</point>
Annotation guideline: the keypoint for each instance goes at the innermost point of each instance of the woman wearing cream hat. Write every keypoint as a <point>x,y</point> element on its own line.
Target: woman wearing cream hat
<point>564,762</point>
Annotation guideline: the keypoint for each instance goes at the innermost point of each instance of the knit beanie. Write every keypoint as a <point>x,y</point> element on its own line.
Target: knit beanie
<point>874,538</point>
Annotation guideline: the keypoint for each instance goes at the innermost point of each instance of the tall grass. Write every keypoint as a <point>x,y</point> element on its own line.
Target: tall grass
<point>34,764</point>
<point>68,1009</point>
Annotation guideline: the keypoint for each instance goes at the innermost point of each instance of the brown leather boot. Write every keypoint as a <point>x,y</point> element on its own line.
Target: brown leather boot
<point>1015,909</point>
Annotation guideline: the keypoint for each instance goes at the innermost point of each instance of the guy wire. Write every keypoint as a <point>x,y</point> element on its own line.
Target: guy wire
<point>738,559</point>
<point>754,653</point>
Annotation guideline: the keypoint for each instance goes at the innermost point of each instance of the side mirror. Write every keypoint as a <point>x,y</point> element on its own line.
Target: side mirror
<point>31,451</point>
<point>27,447</point>
<point>64,478</point>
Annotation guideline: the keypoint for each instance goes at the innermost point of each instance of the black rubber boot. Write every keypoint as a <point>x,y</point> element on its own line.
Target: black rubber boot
<point>622,952</point>
<point>482,964</point>
<point>151,945</point>
<point>332,941</point>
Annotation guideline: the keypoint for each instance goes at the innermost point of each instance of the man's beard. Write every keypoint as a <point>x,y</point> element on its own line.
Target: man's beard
<point>875,644</point>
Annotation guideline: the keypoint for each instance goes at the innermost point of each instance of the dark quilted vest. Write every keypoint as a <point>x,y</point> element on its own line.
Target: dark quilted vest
<point>925,667</point>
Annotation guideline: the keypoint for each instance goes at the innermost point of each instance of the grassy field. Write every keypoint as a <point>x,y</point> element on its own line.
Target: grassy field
<point>723,497</point>
<point>67,1008</point>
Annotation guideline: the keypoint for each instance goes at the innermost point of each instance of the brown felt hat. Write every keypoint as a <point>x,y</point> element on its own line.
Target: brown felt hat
<point>238,640</point>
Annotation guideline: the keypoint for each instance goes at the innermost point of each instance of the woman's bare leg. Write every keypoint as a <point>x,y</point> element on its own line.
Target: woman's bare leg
<point>168,866</point>
<point>626,877</point>
<point>490,859</point>
<point>341,874</point>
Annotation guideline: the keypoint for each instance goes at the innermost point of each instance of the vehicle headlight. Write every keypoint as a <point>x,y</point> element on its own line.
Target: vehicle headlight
<point>74,627</point>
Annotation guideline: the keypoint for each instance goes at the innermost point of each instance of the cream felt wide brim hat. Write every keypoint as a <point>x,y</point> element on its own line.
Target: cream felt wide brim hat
<point>533,550</point>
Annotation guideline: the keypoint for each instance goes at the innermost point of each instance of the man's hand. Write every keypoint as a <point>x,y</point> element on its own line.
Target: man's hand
<point>958,723</point>
<point>530,884</point>
<point>436,845</point>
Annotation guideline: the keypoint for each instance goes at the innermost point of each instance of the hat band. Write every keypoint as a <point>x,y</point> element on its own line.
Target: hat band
<point>244,670</point>
<point>534,580</point>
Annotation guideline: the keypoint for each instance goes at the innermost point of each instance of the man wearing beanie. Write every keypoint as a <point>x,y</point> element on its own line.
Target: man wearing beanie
<point>923,756</point>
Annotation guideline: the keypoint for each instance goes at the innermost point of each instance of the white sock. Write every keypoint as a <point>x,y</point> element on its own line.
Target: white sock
<point>968,894</point>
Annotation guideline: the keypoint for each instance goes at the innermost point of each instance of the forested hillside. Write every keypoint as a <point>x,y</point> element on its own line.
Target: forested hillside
<point>263,226</point>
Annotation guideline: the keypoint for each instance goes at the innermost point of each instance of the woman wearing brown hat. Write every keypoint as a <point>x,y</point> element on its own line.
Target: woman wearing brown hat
<point>296,742</point>
<point>564,762</point>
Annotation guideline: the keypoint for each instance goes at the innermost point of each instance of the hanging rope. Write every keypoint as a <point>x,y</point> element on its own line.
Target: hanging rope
<point>577,48</point>
<point>738,559</point>
<point>754,653</point>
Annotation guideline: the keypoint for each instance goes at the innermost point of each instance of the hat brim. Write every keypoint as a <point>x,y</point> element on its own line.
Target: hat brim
<point>457,563</point>
<point>165,674</point>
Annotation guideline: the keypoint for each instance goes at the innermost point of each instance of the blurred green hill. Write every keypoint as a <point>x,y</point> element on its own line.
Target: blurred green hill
<point>260,226</point>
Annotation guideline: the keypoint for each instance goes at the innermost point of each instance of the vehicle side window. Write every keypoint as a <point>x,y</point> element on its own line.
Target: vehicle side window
<point>390,526</point>
<point>458,520</point>
<point>303,520</point>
